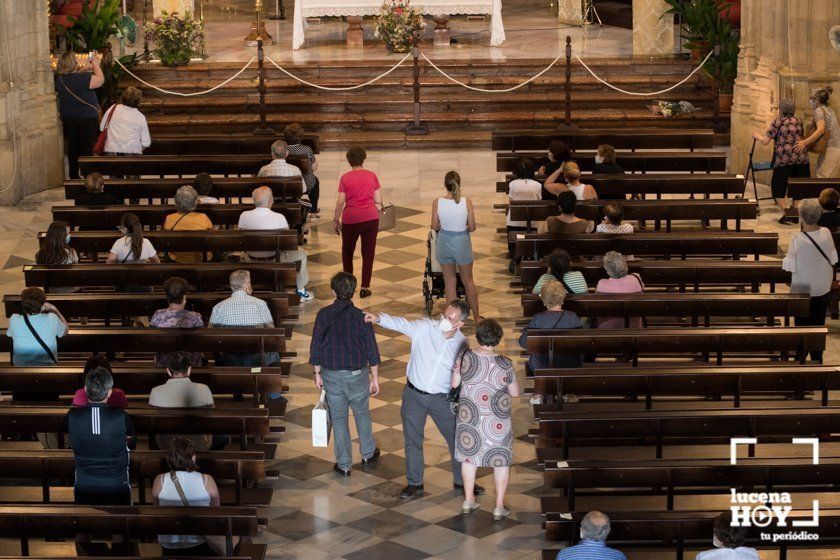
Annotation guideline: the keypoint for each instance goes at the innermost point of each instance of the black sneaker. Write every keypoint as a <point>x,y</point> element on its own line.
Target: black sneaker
<point>477,490</point>
<point>373,457</point>
<point>411,491</point>
<point>341,471</point>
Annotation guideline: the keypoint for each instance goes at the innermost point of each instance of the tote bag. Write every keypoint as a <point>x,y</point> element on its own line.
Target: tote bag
<point>321,422</point>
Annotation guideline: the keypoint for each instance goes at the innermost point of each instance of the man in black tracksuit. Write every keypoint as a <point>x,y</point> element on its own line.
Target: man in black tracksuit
<point>100,437</point>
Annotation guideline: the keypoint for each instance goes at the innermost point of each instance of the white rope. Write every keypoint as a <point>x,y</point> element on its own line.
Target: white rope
<point>684,80</point>
<point>130,73</point>
<point>348,88</point>
<point>462,84</point>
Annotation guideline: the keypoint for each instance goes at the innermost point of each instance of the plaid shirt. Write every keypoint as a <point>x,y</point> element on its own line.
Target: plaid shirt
<point>587,549</point>
<point>301,151</point>
<point>241,310</point>
<point>279,168</point>
<point>341,340</point>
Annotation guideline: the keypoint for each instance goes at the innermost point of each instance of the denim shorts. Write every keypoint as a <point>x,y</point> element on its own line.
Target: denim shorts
<point>454,247</point>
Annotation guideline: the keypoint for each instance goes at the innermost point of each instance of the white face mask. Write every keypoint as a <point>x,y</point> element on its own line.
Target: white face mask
<point>444,326</point>
<point>599,159</point>
<point>813,103</point>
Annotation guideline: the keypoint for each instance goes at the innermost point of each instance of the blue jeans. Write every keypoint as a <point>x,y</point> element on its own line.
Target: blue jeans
<point>347,390</point>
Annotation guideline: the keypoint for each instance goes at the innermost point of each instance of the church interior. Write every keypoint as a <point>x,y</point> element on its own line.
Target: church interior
<point>645,202</point>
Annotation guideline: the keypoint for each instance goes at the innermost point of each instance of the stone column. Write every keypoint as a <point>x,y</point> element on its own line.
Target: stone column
<point>180,6</point>
<point>30,132</point>
<point>653,33</point>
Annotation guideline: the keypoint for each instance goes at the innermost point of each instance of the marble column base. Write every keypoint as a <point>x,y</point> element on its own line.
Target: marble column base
<point>443,34</point>
<point>355,33</point>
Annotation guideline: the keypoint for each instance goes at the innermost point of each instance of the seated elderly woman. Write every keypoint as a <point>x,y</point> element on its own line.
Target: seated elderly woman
<point>554,317</point>
<point>619,282</point>
<point>614,220</point>
<point>566,221</point>
<point>95,194</point>
<point>186,219</point>
<point>176,316</point>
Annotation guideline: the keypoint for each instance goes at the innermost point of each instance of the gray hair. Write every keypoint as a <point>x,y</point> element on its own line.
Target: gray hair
<point>239,279</point>
<point>615,264</point>
<point>787,107</point>
<point>186,199</point>
<point>810,211</point>
<point>279,149</point>
<point>263,197</point>
<point>98,382</point>
<point>462,306</point>
<point>595,526</point>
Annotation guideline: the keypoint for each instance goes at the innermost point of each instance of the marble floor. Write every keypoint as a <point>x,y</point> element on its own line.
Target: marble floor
<point>316,515</point>
<point>531,28</point>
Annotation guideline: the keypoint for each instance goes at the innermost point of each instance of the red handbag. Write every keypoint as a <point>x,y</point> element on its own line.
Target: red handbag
<point>99,147</point>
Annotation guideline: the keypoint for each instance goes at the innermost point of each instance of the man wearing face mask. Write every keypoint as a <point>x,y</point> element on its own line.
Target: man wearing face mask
<point>434,346</point>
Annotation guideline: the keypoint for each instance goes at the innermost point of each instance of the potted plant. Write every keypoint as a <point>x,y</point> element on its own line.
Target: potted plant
<point>92,30</point>
<point>399,25</point>
<point>696,18</point>
<point>176,39</point>
<point>722,67</point>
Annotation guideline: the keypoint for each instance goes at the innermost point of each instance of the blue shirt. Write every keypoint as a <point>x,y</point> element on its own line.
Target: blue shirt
<point>27,351</point>
<point>588,549</point>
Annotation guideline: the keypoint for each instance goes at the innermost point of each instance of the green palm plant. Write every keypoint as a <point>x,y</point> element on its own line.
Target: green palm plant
<point>92,30</point>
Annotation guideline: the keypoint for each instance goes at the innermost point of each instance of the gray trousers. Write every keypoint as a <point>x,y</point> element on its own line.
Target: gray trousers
<point>415,409</point>
<point>349,390</point>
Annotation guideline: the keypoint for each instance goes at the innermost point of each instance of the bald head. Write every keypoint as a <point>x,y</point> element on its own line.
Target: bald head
<point>595,526</point>
<point>263,197</point>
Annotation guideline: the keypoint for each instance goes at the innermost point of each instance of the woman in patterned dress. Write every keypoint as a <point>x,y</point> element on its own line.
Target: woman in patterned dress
<point>484,432</point>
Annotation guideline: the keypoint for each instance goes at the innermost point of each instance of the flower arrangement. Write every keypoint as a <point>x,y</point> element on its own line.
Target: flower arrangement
<point>399,25</point>
<point>670,109</point>
<point>177,39</point>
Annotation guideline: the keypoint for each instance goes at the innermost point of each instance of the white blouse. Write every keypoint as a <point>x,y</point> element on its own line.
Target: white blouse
<point>128,132</point>
<point>811,272</point>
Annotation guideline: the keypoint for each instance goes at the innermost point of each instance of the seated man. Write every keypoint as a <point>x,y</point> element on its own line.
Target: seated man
<point>180,392</point>
<point>203,185</point>
<point>263,217</point>
<point>242,309</point>
<point>100,436</point>
<point>278,166</point>
<point>728,541</point>
<point>594,528</point>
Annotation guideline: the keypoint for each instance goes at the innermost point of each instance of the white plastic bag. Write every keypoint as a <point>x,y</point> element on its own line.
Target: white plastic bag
<point>321,422</point>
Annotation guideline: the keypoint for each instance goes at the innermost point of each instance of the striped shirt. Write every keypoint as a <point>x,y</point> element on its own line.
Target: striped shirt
<point>341,340</point>
<point>589,549</point>
<point>574,279</point>
<point>301,151</point>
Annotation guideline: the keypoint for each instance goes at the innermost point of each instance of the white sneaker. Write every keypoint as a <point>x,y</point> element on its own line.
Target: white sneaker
<point>469,507</point>
<point>500,513</point>
<point>305,296</point>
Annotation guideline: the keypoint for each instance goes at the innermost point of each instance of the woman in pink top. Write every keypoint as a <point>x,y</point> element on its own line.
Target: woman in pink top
<point>357,215</point>
<point>619,282</point>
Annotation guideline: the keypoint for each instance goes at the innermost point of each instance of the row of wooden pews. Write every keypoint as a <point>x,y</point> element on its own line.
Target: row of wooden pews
<point>36,485</point>
<point>642,430</point>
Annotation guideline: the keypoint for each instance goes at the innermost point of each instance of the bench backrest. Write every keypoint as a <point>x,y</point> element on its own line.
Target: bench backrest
<point>205,144</point>
<point>190,166</point>
<point>620,139</point>
<point>635,162</point>
<point>805,187</point>
<point>657,185</point>
<point>153,216</point>
<point>224,188</point>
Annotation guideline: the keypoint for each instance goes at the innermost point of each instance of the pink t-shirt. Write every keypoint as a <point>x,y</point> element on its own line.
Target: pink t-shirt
<point>359,185</point>
<point>630,284</point>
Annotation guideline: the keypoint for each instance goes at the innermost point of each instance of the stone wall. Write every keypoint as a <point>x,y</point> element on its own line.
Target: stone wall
<point>28,109</point>
<point>770,68</point>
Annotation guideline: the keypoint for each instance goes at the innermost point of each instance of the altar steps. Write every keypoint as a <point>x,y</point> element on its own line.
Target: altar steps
<point>376,115</point>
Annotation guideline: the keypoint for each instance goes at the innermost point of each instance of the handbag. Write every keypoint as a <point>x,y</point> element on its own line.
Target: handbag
<point>387,217</point>
<point>39,339</point>
<point>99,147</point>
<point>820,146</point>
<point>216,543</point>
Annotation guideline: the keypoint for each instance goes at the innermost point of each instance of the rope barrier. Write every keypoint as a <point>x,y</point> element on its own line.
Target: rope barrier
<point>181,94</point>
<point>348,88</point>
<point>462,84</point>
<point>684,80</point>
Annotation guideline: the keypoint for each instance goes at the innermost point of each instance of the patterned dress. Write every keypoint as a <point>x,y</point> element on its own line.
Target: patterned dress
<point>484,432</point>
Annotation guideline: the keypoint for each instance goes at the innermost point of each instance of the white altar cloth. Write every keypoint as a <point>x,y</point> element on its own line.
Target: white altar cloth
<point>326,8</point>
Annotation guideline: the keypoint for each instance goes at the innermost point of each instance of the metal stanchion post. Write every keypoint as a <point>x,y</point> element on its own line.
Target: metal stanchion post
<point>416,128</point>
<point>263,129</point>
<point>568,117</point>
<point>147,55</point>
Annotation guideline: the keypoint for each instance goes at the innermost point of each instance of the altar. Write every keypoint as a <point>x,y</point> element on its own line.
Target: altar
<point>360,8</point>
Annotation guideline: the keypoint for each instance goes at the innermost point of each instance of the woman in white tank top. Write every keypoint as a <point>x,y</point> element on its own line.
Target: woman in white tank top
<point>199,490</point>
<point>453,219</point>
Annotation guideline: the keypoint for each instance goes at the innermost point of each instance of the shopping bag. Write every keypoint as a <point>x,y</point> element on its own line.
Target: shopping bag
<point>321,422</point>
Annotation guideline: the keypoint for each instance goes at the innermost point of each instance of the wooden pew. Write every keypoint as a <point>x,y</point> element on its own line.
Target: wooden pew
<point>669,246</point>
<point>635,162</point>
<point>205,144</point>
<point>153,216</point>
<point>657,185</point>
<point>49,467</point>
<point>91,242</point>
<point>684,476</point>
<point>659,211</point>
<point>809,187</point>
<point>160,166</point>
<point>685,275</point>
<point>683,427</point>
<point>680,529</point>
<point>115,307</point>
<point>700,308</point>
<point>203,277</point>
<point>27,522</point>
<point>224,188</point>
<point>687,381</point>
<point>708,341</point>
<point>590,139</point>
<point>88,340</point>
